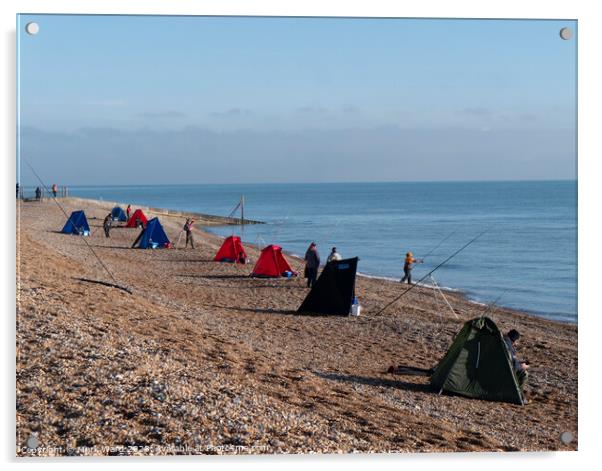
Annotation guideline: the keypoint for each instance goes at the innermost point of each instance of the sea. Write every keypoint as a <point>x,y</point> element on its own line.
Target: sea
<point>524,256</point>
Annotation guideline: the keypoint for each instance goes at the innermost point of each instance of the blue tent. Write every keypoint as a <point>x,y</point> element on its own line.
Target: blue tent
<point>153,236</point>
<point>77,224</point>
<point>118,214</point>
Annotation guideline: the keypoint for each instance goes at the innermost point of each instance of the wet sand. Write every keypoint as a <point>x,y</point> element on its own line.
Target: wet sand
<point>201,358</point>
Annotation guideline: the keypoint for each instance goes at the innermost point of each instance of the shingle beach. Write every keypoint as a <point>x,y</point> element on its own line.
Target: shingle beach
<point>203,359</point>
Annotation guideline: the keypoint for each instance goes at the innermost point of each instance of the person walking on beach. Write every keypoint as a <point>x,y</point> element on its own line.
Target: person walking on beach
<point>312,263</point>
<point>334,256</point>
<point>407,267</point>
<point>128,211</point>
<point>188,230</point>
<point>38,193</point>
<point>18,190</point>
<point>54,189</point>
<point>520,366</point>
<point>106,224</point>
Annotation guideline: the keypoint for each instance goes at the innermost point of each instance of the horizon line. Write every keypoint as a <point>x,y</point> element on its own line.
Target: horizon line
<point>526,180</point>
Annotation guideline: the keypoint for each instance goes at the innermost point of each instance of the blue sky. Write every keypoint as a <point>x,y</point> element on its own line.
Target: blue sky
<point>317,99</point>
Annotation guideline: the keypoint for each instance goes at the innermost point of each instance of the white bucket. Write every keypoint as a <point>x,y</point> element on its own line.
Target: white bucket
<point>355,310</point>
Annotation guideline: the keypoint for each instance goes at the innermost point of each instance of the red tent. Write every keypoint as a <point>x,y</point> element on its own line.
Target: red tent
<point>272,263</point>
<point>137,219</point>
<point>231,251</point>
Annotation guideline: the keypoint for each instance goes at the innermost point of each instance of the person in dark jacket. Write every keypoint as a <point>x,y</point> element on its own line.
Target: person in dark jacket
<point>38,193</point>
<point>520,366</point>
<point>188,230</point>
<point>312,263</point>
<point>106,224</point>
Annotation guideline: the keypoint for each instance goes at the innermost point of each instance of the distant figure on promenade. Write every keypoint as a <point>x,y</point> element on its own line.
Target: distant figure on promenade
<point>107,224</point>
<point>128,210</point>
<point>312,263</point>
<point>407,267</point>
<point>334,256</point>
<point>188,230</point>
<point>17,190</point>
<point>54,189</point>
<point>520,366</point>
<point>38,193</point>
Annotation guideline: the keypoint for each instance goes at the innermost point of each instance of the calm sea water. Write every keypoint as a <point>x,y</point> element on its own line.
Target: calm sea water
<point>528,255</point>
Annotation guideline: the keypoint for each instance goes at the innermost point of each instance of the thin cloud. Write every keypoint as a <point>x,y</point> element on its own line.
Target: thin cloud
<point>312,109</point>
<point>477,111</point>
<point>528,117</point>
<point>350,109</point>
<point>108,103</point>
<point>162,114</point>
<point>231,113</point>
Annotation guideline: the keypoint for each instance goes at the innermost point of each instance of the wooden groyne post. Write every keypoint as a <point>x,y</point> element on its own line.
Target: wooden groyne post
<point>242,209</point>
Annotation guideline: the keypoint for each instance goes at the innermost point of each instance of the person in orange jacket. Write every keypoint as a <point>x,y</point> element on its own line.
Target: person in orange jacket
<point>407,267</point>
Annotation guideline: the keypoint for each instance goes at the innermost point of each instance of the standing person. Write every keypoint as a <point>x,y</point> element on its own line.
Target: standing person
<point>54,189</point>
<point>38,193</point>
<point>188,230</point>
<point>407,267</point>
<point>334,256</point>
<point>520,366</point>
<point>107,224</point>
<point>312,263</point>
<point>17,190</point>
<point>128,211</point>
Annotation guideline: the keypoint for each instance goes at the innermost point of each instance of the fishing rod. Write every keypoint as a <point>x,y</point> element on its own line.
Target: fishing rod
<point>491,306</point>
<point>439,244</point>
<point>116,284</point>
<point>433,271</point>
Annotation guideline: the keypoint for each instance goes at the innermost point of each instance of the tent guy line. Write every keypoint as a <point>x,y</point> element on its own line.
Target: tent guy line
<point>116,282</point>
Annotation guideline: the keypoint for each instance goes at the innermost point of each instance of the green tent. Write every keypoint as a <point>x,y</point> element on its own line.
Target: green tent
<point>478,365</point>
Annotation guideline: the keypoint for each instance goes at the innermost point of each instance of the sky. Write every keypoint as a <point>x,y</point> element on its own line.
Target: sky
<point>152,99</point>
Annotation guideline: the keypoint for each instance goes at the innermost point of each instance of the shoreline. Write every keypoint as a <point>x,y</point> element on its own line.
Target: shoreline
<point>201,218</point>
<point>208,220</point>
<point>468,298</point>
<point>202,354</point>
<point>446,289</point>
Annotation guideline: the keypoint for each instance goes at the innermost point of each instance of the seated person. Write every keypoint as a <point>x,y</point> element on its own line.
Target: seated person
<point>334,256</point>
<point>520,366</point>
<point>242,258</point>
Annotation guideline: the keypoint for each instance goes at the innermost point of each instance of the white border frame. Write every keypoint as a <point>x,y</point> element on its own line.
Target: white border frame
<point>589,197</point>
